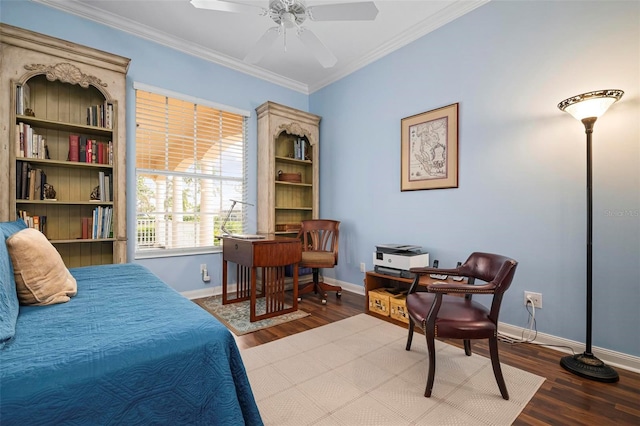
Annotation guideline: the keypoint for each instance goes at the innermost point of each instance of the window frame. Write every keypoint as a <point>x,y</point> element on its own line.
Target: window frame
<point>224,205</point>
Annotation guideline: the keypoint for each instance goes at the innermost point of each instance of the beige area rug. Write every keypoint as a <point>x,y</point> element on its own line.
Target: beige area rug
<point>357,372</point>
<point>236,315</point>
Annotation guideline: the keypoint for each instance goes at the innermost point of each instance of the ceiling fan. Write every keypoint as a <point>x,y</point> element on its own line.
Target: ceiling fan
<point>290,14</point>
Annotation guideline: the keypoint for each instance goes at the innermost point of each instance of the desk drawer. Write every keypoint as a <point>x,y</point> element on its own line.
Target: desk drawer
<point>281,253</point>
<point>240,252</point>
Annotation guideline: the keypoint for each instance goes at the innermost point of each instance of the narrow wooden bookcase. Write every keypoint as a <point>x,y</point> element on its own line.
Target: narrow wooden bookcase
<point>60,90</point>
<point>288,179</point>
<point>288,170</point>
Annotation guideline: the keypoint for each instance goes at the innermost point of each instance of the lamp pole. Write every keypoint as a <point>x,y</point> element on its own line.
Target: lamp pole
<point>588,128</point>
<point>587,107</point>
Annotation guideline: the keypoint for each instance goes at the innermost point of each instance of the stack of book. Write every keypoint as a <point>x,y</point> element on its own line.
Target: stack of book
<point>84,150</point>
<point>300,149</point>
<point>30,182</point>
<point>35,222</point>
<point>29,144</point>
<point>100,115</point>
<point>99,225</point>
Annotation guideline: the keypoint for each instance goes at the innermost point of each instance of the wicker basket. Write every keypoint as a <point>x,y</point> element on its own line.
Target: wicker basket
<point>289,177</point>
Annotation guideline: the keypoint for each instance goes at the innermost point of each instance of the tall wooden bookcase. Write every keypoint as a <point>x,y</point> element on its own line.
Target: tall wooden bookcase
<point>288,177</point>
<point>64,80</point>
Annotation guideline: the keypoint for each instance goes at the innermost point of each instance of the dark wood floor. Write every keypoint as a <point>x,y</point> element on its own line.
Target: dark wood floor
<point>563,399</point>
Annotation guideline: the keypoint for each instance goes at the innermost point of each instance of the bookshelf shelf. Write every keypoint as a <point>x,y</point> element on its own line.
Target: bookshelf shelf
<point>295,208</point>
<point>67,203</point>
<point>63,126</point>
<point>60,91</point>
<point>82,241</point>
<point>309,185</point>
<point>292,160</point>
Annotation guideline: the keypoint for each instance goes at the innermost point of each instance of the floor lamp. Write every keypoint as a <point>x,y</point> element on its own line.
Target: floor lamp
<point>587,107</point>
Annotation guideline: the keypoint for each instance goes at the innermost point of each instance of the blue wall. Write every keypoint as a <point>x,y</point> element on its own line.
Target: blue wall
<point>521,162</point>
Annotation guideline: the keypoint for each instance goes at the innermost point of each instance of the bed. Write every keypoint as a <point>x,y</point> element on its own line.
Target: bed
<point>127,349</point>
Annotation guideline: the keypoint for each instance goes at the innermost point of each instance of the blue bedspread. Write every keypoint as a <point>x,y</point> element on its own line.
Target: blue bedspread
<point>128,350</point>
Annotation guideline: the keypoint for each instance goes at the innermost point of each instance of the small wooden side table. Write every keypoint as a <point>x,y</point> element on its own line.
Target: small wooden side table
<point>268,256</point>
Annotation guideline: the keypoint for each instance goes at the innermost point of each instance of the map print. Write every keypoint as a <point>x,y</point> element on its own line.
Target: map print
<point>428,150</point>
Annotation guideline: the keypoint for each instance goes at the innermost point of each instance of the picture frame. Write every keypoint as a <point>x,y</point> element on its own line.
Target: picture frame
<point>429,149</point>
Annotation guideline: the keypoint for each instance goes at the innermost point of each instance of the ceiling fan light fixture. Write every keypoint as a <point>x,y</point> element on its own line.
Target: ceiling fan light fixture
<point>289,14</point>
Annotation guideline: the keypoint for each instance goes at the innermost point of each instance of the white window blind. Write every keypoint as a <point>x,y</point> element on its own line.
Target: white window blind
<point>190,164</point>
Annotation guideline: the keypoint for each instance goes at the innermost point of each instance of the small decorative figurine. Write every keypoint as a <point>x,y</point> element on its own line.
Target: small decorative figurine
<point>49,192</point>
<point>95,194</point>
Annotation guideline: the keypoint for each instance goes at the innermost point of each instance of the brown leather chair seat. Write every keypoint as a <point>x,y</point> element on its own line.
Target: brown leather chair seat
<point>458,318</point>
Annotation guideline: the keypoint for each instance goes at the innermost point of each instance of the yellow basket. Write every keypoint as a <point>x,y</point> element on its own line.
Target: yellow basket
<point>379,301</point>
<point>398,309</point>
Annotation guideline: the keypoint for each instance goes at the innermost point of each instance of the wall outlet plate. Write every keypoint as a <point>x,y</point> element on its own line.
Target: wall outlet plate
<point>535,297</point>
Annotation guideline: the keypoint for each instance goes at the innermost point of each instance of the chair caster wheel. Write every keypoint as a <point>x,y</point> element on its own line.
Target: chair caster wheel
<point>324,301</point>
<point>338,295</point>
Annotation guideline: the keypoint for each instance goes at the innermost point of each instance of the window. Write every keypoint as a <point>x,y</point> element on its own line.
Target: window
<point>190,165</point>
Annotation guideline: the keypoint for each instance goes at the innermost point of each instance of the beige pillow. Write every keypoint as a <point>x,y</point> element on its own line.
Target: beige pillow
<point>41,276</point>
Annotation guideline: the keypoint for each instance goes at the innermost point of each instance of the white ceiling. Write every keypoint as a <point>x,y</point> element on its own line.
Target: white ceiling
<point>225,38</point>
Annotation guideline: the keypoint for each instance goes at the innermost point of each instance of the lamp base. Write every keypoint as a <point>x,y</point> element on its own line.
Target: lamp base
<point>588,366</point>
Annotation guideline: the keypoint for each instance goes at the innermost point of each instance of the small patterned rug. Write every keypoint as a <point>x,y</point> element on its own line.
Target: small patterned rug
<point>236,315</point>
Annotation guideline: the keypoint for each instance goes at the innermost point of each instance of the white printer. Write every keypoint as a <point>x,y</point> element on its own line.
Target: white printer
<point>397,259</point>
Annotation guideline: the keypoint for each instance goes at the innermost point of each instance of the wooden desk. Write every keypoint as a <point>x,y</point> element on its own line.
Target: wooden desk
<point>268,257</point>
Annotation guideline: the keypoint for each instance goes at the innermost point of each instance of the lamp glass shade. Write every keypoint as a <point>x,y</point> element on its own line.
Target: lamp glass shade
<point>592,104</point>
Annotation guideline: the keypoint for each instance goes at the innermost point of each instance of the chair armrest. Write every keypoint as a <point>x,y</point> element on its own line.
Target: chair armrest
<point>440,287</point>
<point>429,270</point>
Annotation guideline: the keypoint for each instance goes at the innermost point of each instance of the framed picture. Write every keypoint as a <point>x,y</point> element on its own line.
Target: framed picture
<point>429,149</point>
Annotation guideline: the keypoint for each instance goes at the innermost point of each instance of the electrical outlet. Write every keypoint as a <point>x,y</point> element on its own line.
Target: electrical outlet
<point>363,267</point>
<point>535,297</point>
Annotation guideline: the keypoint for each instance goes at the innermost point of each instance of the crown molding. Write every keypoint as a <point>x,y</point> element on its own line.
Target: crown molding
<point>443,17</point>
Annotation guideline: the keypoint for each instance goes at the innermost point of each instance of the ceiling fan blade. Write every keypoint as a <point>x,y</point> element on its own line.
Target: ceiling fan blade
<point>317,48</point>
<point>226,6</point>
<point>262,45</point>
<point>363,11</point>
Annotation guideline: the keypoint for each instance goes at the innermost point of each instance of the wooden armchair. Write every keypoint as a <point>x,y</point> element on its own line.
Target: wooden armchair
<point>439,313</point>
<point>319,250</point>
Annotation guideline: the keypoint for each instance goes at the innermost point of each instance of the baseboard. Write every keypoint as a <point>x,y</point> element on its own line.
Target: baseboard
<point>205,292</point>
<point>613,358</point>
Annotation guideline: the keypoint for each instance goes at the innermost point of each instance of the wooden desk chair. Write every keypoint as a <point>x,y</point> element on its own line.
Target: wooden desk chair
<point>319,250</point>
<point>440,314</point>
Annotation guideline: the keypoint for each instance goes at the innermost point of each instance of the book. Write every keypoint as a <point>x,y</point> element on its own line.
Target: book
<point>37,186</point>
<point>107,188</point>
<point>26,97</point>
<point>19,179</point>
<point>101,186</point>
<point>85,228</point>
<point>74,148</point>
<point>87,158</point>
<point>100,153</point>
<point>32,184</point>
<point>25,180</point>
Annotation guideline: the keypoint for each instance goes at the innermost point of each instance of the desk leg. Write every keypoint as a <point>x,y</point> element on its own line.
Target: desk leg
<point>252,311</point>
<point>224,282</point>
<point>295,287</point>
